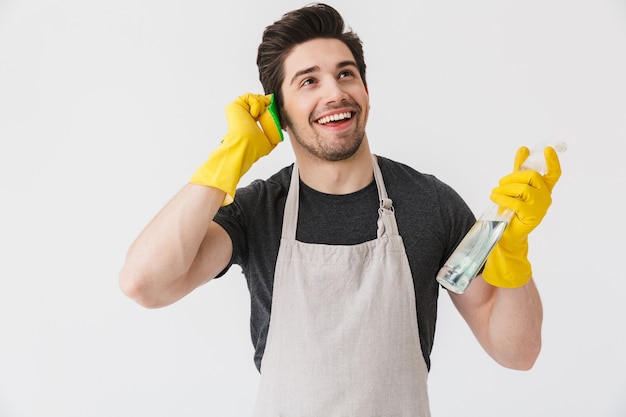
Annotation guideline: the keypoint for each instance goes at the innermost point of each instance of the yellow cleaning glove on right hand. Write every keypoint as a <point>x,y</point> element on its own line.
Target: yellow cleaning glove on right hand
<point>243,145</point>
<point>529,194</point>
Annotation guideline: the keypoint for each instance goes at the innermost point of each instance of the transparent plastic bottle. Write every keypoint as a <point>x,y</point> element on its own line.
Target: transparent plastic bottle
<point>462,266</point>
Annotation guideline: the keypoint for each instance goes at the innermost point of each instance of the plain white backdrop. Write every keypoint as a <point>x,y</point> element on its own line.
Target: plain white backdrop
<point>106,108</point>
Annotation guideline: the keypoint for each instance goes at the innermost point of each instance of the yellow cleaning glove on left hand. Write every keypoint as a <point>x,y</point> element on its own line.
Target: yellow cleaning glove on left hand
<point>529,194</point>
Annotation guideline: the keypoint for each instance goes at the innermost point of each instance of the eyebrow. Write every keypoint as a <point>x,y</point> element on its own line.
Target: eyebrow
<point>315,68</point>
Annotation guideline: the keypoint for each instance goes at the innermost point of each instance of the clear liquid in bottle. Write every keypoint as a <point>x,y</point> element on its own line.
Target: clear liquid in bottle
<point>467,259</point>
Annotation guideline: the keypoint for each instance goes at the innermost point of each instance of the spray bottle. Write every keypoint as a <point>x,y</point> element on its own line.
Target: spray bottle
<point>462,266</point>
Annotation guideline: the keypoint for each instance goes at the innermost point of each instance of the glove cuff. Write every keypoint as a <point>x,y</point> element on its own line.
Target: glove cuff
<point>225,167</point>
<point>508,269</point>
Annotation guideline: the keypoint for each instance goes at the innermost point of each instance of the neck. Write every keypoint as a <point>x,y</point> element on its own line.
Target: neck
<point>337,177</point>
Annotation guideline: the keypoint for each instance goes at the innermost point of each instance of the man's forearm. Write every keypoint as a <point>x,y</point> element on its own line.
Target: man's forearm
<point>515,326</point>
<point>506,321</point>
<point>158,260</point>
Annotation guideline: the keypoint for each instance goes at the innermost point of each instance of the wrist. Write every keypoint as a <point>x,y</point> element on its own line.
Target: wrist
<point>222,170</point>
<point>508,267</point>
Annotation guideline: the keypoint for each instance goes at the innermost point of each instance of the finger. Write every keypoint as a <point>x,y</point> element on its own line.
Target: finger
<point>514,190</point>
<point>536,191</point>
<point>254,104</point>
<point>505,201</point>
<point>240,110</point>
<point>524,177</point>
<point>520,156</point>
<point>529,205</point>
<point>553,166</point>
<point>258,104</point>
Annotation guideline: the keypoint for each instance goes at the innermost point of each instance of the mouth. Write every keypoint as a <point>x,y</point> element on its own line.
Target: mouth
<point>334,118</point>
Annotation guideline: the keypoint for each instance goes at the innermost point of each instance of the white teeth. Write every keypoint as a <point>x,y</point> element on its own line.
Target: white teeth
<point>334,117</point>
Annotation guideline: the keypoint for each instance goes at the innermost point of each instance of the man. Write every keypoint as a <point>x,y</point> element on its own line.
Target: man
<point>341,249</point>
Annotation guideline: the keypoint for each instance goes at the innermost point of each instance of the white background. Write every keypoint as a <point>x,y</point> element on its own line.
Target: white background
<point>106,108</point>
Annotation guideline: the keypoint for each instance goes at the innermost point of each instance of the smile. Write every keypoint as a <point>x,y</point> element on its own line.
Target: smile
<point>335,118</point>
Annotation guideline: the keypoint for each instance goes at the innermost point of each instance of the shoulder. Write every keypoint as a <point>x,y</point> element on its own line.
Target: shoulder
<point>265,191</point>
<point>423,198</point>
<point>258,204</point>
<point>256,213</point>
<point>400,175</point>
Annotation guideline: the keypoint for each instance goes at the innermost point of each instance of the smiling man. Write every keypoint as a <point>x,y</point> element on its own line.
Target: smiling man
<point>340,250</point>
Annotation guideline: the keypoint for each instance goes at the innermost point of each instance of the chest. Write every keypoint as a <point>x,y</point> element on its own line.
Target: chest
<point>338,220</point>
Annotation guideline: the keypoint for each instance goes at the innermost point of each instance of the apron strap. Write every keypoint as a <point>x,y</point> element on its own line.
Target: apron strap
<point>386,218</point>
<point>290,215</point>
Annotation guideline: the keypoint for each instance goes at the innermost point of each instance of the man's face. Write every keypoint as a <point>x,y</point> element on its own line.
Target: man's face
<point>325,101</point>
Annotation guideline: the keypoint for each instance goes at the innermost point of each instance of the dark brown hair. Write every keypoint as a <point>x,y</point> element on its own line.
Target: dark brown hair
<point>313,21</point>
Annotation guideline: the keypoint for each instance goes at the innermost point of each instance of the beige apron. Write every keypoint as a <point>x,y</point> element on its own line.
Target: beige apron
<point>343,338</point>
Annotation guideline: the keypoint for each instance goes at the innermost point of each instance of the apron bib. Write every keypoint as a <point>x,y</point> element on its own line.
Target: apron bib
<point>343,338</point>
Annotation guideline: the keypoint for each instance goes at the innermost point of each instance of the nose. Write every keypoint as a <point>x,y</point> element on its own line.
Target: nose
<point>332,91</point>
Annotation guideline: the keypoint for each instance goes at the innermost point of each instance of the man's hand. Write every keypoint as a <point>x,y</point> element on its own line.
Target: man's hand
<point>529,194</point>
<point>243,145</point>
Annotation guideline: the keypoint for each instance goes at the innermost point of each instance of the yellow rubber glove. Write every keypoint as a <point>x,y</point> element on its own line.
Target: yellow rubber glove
<point>529,194</point>
<point>243,145</point>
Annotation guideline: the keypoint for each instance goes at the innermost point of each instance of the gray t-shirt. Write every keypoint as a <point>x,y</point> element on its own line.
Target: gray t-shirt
<point>432,219</point>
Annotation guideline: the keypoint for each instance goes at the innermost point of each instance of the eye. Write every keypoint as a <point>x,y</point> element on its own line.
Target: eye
<point>346,73</point>
<point>307,81</point>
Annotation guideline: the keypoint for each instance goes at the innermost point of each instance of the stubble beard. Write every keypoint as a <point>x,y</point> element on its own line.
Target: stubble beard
<point>338,149</point>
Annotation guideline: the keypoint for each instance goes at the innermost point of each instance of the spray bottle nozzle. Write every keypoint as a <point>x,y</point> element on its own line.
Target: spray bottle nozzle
<point>536,160</point>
